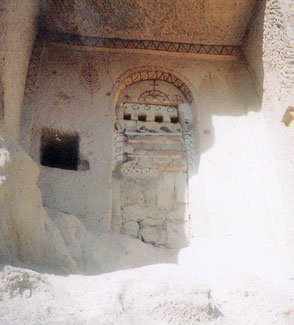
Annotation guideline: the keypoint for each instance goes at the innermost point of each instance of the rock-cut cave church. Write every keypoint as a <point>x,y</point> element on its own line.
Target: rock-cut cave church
<point>131,131</point>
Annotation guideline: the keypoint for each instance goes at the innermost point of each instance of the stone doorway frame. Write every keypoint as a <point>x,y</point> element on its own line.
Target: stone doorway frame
<point>186,120</point>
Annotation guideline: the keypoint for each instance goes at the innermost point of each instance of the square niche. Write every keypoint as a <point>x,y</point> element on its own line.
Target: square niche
<point>59,149</point>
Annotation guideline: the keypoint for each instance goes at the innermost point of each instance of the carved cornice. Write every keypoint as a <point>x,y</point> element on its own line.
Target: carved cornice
<point>144,45</point>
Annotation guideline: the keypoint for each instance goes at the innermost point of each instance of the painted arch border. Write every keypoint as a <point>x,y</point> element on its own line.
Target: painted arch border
<point>144,73</point>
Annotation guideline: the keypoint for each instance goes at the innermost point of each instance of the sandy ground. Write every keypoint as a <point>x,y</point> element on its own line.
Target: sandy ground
<point>156,294</point>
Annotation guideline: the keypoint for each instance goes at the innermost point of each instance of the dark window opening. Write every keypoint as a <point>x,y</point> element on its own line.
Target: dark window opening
<point>127,117</point>
<point>159,118</point>
<point>142,118</point>
<point>174,120</point>
<point>60,150</point>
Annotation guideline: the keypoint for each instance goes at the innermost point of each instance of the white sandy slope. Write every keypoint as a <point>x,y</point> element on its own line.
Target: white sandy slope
<point>156,294</point>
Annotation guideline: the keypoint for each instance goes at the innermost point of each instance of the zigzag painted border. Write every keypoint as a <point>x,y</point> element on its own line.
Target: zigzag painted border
<point>32,74</point>
<point>115,43</point>
<point>159,75</point>
<point>144,73</point>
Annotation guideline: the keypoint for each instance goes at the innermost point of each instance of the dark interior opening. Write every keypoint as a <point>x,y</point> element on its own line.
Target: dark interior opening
<point>59,150</point>
<point>174,120</point>
<point>159,118</point>
<point>127,117</point>
<point>142,118</point>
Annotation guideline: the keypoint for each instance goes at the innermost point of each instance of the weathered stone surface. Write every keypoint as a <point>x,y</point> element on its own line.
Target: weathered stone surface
<point>94,253</point>
<point>116,220</point>
<point>21,282</point>
<point>165,191</point>
<point>181,187</point>
<point>131,229</point>
<point>20,205</point>
<point>269,46</point>
<point>27,235</point>
<point>225,96</point>
<point>176,234</point>
<point>18,25</point>
<point>180,213</point>
<point>269,50</point>
<point>88,194</point>
<point>221,22</point>
<point>137,192</point>
<point>1,104</point>
<point>152,222</point>
<point>116,224</point>
<point>152,141</point>
<point>135,213</point>
<point>154,235</point>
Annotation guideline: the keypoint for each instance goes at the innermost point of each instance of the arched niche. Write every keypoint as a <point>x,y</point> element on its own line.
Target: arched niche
<point>152,158</point>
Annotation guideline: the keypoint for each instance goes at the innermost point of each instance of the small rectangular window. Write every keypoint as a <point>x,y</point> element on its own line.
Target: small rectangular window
<point>127,117</point>
<point>174,120</point>
<point>159,118</point>
<point>142,118</point>
<point>59,150</point>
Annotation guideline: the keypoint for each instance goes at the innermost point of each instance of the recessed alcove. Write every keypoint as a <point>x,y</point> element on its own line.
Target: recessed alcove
<point>127,117</point>
<point>174,120</point>
<point>142,118</point>
<point>159,118</point>
<point>59,149</point>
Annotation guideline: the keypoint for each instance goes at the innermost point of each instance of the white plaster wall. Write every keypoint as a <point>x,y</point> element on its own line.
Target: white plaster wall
<point>235,192</point>
<point>63,104</point>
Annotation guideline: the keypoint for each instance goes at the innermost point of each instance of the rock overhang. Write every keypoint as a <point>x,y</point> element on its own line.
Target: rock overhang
<point>222,22</point>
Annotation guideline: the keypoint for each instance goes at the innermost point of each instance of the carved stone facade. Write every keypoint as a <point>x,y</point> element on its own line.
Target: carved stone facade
<point>150,169</point>
<point>174,139</point>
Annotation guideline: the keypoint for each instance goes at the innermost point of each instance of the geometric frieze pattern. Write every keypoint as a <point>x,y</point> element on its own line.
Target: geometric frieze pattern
<point>159,75</point>
<point>154,73</point>
<point>125,80</point>
<point>115,43</point>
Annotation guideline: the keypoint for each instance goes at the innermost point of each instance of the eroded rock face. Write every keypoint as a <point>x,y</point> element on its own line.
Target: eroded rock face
<point>51,240</point>
<point>21,282</point>
<point>221,22</point>
<point>18,25</point>
<point>269,47</point>
<point>22,215</point>
<point>27,235</point>
<point>269,50</point>
<point>1,103</point>
<point>103,252</point>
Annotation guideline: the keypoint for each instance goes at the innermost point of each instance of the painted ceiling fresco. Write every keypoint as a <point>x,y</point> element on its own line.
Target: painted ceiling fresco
<point>194,21</point>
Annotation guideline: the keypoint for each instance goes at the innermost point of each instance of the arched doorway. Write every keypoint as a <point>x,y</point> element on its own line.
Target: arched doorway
<point>153,146</point>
